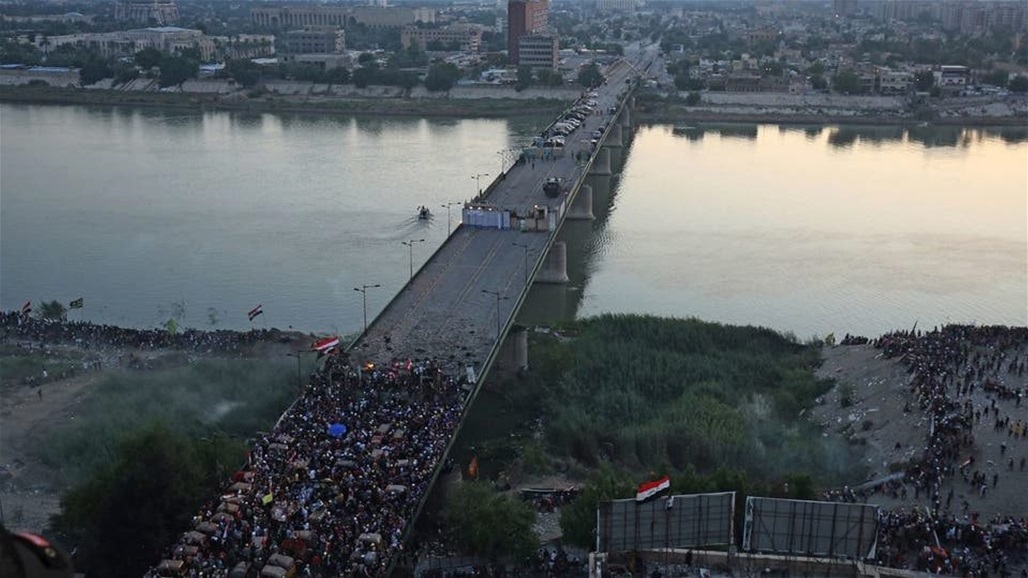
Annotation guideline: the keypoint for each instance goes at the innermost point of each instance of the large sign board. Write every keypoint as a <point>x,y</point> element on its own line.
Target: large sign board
<point>684,521</point>
<point>806,528</point>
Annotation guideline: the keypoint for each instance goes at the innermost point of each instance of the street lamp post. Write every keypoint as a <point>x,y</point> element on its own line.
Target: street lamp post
<point>499,297</point>
<point>478,181</point>
<point>363,290</point>
<point>299,380</point>
<point>525,247</point>
<point>448,205</point>
<point>410,245</point>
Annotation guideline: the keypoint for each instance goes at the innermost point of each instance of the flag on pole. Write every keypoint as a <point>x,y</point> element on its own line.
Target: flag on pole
<point>255,312</point>
<point>649,489</point>
<point>326,345</point>
<point>473,468</point>
<point>26,309</point>
<point>77,304</point>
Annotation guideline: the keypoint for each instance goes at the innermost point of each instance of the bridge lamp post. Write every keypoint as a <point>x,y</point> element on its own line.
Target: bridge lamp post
<point>448,205</point>
<point>410,245</point>
<point>363,290</point>
<point>478,181</point>
<point>525,247</point>
<point>499,297</point>
<point>298,355</point>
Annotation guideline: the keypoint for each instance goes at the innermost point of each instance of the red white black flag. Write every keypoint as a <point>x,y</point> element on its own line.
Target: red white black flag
<point>255,312</point>
<point>325,345</point>
<point>26,309</point>
<point>649,489</point>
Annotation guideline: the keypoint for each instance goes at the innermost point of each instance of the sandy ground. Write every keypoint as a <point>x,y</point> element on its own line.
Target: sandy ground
<point>895,436</point>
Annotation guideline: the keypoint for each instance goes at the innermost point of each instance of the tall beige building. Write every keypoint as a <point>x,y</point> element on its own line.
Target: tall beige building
<point>163,12</point>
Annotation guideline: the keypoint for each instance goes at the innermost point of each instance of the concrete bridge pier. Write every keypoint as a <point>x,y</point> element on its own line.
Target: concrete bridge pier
<point>515,348</point>
<point>601,164</point>
<point>614,138</point>
<point>626,117</point>
<point>582,207</point>
<point>555,269</point>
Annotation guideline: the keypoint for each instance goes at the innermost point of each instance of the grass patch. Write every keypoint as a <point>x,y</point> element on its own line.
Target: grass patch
<point>206,398</point>
<point>646,393</point>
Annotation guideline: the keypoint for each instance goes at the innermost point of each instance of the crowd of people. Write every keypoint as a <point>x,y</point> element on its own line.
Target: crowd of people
<point>16,326</point>
<point>330,500</point>
<point>961,377</point>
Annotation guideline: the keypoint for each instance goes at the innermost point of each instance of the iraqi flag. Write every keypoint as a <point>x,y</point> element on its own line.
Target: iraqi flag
<point>649,489</point>
<point>326,345</point>
<point>26,309</point>
<point>255,312</point>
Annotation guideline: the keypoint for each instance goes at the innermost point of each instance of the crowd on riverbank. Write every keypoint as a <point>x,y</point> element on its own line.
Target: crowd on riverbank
<point>14,327</point>
<point>969,381</point>
<point>332,488</point>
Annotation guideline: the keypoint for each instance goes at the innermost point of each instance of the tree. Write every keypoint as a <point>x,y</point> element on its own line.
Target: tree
<point>490,524</point>
<point>578,519</point>
<point>94,71</point>
<point>924,81</point>
<point>525,78</point>
<point>1019,83</point>
<point>146,499</point>
<point>692,99</point>
<point>847,82</point>
<point>364,76</point>
<point>549,77</point>
<point>244,71</point>
<point>177,69</point>
<point>441,77</point>
<point>148,58</point>
<point>590,76</point>
<point>52,310</point>
<point>998,77</point>
<point>365,58</point>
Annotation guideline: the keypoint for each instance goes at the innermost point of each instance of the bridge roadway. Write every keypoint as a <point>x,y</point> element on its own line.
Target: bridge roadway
<point>444,312</point>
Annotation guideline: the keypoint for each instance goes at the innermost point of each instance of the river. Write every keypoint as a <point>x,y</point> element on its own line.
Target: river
<point>152,214</point>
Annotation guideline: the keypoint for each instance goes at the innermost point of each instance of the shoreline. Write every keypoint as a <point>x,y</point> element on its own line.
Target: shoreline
<point>447,107</point>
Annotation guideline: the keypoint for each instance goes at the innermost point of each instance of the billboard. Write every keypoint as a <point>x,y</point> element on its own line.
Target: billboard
<point>684,521</point>
<point>807,528</point>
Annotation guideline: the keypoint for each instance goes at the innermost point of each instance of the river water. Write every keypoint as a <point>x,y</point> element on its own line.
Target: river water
<point>151,214</point>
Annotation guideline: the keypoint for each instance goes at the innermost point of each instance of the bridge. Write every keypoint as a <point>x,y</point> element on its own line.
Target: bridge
<point>460,306</point>
<point>353,494</point>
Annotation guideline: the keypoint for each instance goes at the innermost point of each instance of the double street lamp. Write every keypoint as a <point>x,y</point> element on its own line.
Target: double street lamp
<point>525,247</point>
<point>410,245</point>
<point>363,290</point>
<point>299,380</point>
<point>478,181</point>
<point>499,297</point>
<point>448,205</point>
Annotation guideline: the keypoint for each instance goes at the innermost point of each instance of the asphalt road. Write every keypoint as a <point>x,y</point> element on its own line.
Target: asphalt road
<point>449,310</point>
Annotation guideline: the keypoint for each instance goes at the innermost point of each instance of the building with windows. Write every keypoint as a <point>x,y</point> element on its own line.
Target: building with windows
<point>618,5</point>
<point>465,37</point>
<point>145,11</point>
<point>315,40</point>
<point>525,18</point>
<point>167,39</point>
<point>538,51</point>
<point>293,15</point>
<point>952,78</point>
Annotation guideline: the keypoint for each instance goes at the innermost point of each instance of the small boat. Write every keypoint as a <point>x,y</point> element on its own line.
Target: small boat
<point>423,213</point>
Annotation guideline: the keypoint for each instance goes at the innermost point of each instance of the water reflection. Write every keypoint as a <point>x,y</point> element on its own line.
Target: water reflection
<point>846,136</point>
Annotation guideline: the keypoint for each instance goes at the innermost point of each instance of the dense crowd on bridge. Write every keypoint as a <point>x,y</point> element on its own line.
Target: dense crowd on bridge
<point>331,489</point>
<point>962,377</point>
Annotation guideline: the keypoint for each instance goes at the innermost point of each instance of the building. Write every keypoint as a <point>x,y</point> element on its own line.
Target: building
<point>146,11</point>
<point>322,61</point>
<point>467,38</point>
<point>315,40</point>
<point>894,81</point>
<point>951,78</point>
<point>525,18</point>
<point>293,15</point>
<point>844,7</point>
<point>617,5</point>
<point>539,51</point>
<point>167,39</point>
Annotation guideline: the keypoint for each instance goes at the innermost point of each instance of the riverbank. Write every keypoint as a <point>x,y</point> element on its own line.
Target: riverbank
<point>493,107</point>
<point>505,102</point>
<point>780,108</point>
